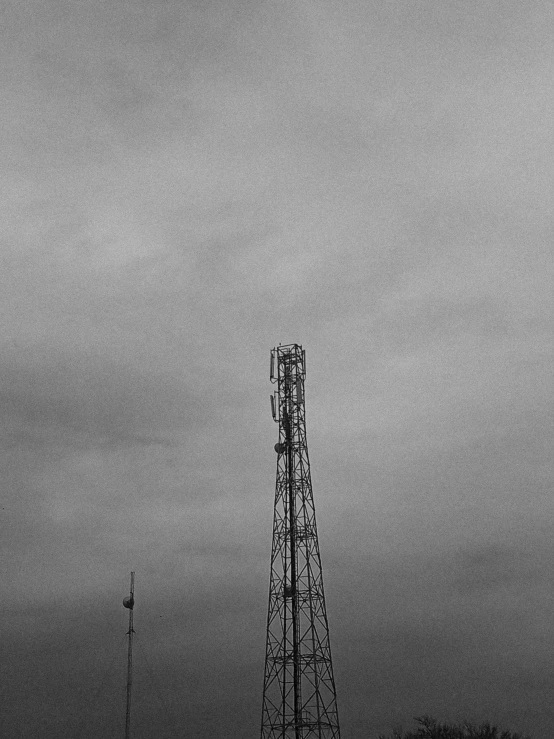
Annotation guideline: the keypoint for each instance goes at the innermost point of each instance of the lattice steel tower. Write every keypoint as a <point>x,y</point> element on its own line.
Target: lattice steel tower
<point>299,697</point>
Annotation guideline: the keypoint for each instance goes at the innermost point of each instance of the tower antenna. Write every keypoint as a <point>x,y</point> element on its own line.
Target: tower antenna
<point>129,602</point>
<point>299,695</point>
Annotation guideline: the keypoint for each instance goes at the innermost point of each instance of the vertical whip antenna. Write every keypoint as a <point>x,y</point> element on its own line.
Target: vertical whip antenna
<point>299,696</point>
<point>129,602</point>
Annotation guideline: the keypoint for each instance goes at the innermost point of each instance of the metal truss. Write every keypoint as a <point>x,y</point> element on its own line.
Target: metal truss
<point>299,696</point>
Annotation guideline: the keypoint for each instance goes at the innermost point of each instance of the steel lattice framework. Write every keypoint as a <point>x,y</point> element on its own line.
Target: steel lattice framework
<point>299,696</point>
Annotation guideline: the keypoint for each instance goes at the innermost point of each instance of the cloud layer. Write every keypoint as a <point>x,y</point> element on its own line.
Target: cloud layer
<point>189,184</point>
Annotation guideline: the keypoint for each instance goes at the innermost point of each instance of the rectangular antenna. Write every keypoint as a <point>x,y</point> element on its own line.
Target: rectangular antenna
<point>299,393</point>
<point>272,365</point>
<point>273,407</point>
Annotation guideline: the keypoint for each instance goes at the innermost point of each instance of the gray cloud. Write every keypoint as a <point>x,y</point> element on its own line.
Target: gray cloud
<point>189,184</point>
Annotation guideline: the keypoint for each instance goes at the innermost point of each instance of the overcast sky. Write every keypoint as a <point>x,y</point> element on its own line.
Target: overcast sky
<point>186,185</point>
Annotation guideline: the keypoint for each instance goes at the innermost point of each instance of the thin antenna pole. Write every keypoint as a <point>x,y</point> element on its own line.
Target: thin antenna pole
<point>129,603</point>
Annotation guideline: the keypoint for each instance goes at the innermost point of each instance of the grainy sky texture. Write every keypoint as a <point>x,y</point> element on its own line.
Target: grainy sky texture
<point>187,184</point>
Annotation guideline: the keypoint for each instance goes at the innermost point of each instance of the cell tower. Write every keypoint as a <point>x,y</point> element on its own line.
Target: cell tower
<point>299,696</point>
<point>129,602</point>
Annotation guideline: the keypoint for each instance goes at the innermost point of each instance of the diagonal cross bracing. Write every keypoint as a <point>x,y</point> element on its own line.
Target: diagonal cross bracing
<point>299,696</point>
